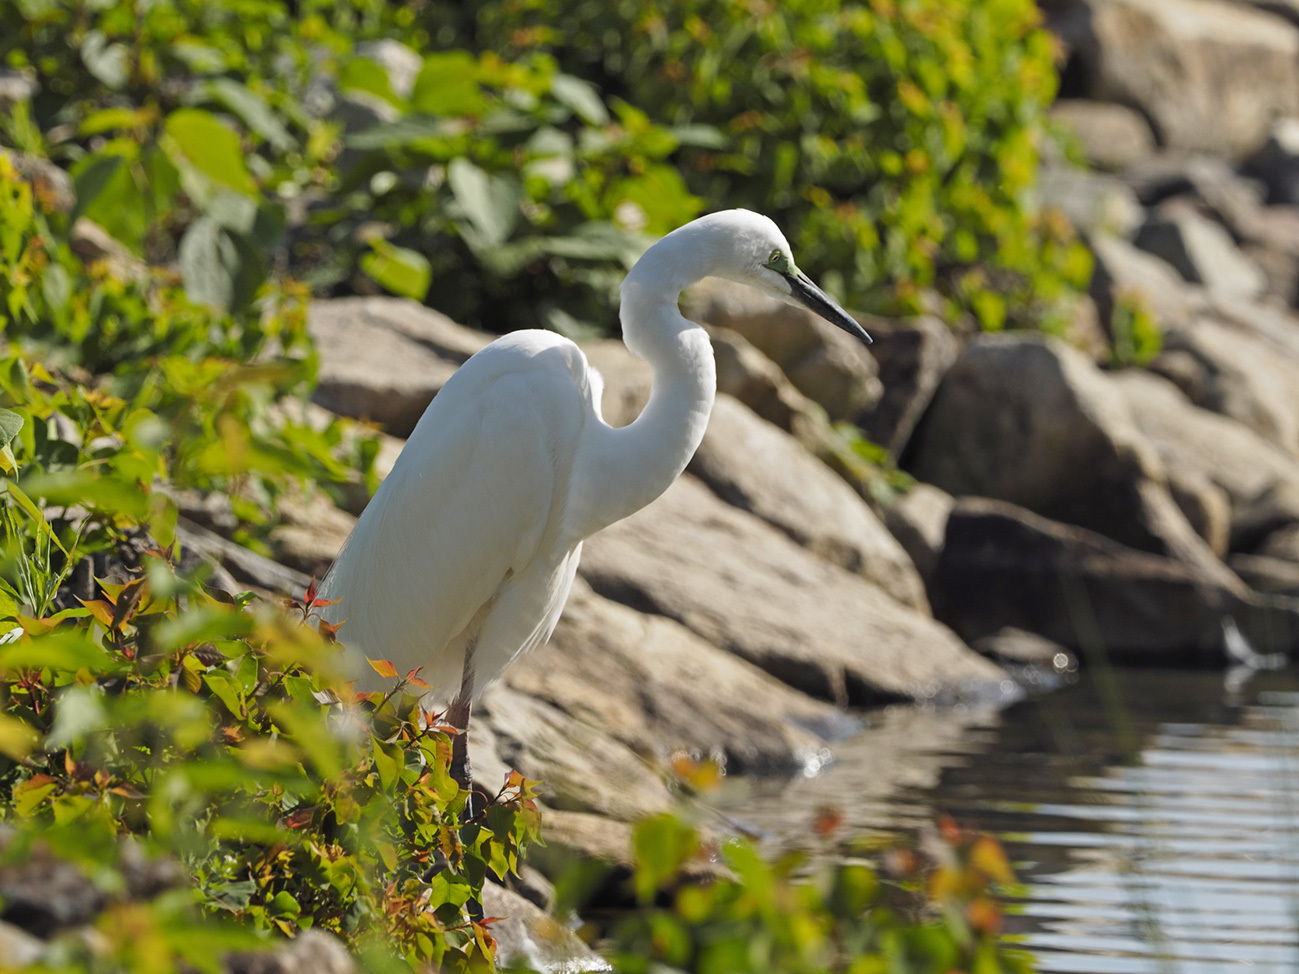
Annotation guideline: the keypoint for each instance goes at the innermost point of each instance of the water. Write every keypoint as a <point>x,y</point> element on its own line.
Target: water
<point>1155,826</point>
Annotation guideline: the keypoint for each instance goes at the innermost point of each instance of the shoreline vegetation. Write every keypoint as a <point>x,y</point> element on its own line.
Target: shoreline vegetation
<point>243,243</point>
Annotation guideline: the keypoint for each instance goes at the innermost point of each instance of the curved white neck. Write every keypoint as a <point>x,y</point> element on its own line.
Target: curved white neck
<point>633,465</point>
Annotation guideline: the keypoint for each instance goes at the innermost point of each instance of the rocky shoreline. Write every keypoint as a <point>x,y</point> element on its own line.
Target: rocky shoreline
<point>1059,499</point>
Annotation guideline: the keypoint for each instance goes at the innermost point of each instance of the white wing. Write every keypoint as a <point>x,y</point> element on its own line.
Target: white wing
<point>473,505</point>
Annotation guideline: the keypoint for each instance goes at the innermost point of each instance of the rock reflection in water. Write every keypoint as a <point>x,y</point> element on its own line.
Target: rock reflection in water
<point>1156,832</point>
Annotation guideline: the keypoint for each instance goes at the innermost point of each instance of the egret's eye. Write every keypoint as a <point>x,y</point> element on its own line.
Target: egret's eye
<point>778,262</point>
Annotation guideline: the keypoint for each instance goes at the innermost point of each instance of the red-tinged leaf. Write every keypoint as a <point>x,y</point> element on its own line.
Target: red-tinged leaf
<point>329,630</point>
<point>35,781</point>
<point>100,610</point>
<point>413,673</point>
<point>488,921</point>
<point>69,765</point>
<point>382,667</point>
<point>290,603</point>
<point>321,603</point>
<point>827,821</point>
<point>416,682</point>
<point>126,791</point>
<point>233,734</point>
<point>366,696</point>
<point>35,627</point>
<point>126,603</point>
<point>300,817</point>
<point>310,596</point>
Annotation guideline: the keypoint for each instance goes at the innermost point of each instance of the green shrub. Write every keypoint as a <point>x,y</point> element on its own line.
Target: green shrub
<point>896,140</point>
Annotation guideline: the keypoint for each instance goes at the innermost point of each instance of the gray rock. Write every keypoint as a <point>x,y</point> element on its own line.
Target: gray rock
<point>245,567</point>
<point>1032,421</point>
<point>1094,202</point>
<point>1004,566</point>
<point>918,519</point>
<point>759,468</point>
<point>51,183</point>
<point>1208,74</point>
<point>1124,272</point>
<point>627,380</point>
<point>1276,164</point>
<point>528,937</point>
<point>1111,136</point>
<point>755,380</point>
<point>1009,645</point>
<point>311,534</point>
<point>42,894</point>
<point>17,85</point>
<point>383,359</point>
<point>1201,251</point>
<point>1239,369</point>
<point>581,766</point>
<point>744,586</point>
<point>1283,543</point>
<point>19,950</point>
<point>310,952</point>
<point>1260,480</point>
<point>1275,576</point>
<point>656,687</point>
<point>827,365</point>
<point>913,355</point>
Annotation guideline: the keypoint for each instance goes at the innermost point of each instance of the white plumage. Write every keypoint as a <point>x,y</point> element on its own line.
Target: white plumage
<point>474,538</point>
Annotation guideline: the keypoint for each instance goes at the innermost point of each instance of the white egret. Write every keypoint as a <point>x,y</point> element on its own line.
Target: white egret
<point>464,558</point>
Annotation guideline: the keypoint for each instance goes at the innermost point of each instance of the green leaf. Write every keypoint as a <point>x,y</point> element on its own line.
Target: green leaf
<point>106,61</point>
<point>17,738</point>
<point>368,76</point>
<point>447,85</point>
<point>197,139</point>
<point>491,203</point>
<point>402,133</point>
<point>62,651</point>
<point>219,269</point>
<point>11,424</point>
<point>581,96</point>
<point>224,688</point>
<point>397,269</point>
<point>251,108</point>
<point>109,195</point>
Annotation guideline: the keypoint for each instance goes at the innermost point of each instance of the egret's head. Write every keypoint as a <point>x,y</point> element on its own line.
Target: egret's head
<point>756,253</point>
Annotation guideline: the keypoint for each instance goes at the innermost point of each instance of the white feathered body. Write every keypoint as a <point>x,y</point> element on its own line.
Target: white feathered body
<point>474,533</point>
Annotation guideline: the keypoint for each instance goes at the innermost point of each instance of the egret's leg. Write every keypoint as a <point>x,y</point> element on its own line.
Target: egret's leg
<point>458,717</point>
<point>461,772</point>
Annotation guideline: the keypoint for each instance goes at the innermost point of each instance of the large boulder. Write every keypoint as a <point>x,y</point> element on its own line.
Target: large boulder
<point>1208,74</point>
<point>751,464</point>
<point>1111,136</point>
<point>1126,273</point>
<point>1260,480</point>
<point>658,688</point>
<point>1093,201</point>
<point>582,766</point>
<point>1200,250</point>
<point>1004,566</point>
<point>913,354</point>
<point>828,365</point>
<point>1244,368</point>
<point>1032,421</point>
<point>746,587</point>
<point>383,359</point>
<point>918,519</point>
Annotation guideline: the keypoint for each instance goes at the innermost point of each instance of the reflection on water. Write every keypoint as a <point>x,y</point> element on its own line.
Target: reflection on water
<point>1156,828</point>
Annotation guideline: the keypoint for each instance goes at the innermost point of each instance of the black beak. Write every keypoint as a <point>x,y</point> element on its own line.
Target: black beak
<point>822,304</point>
